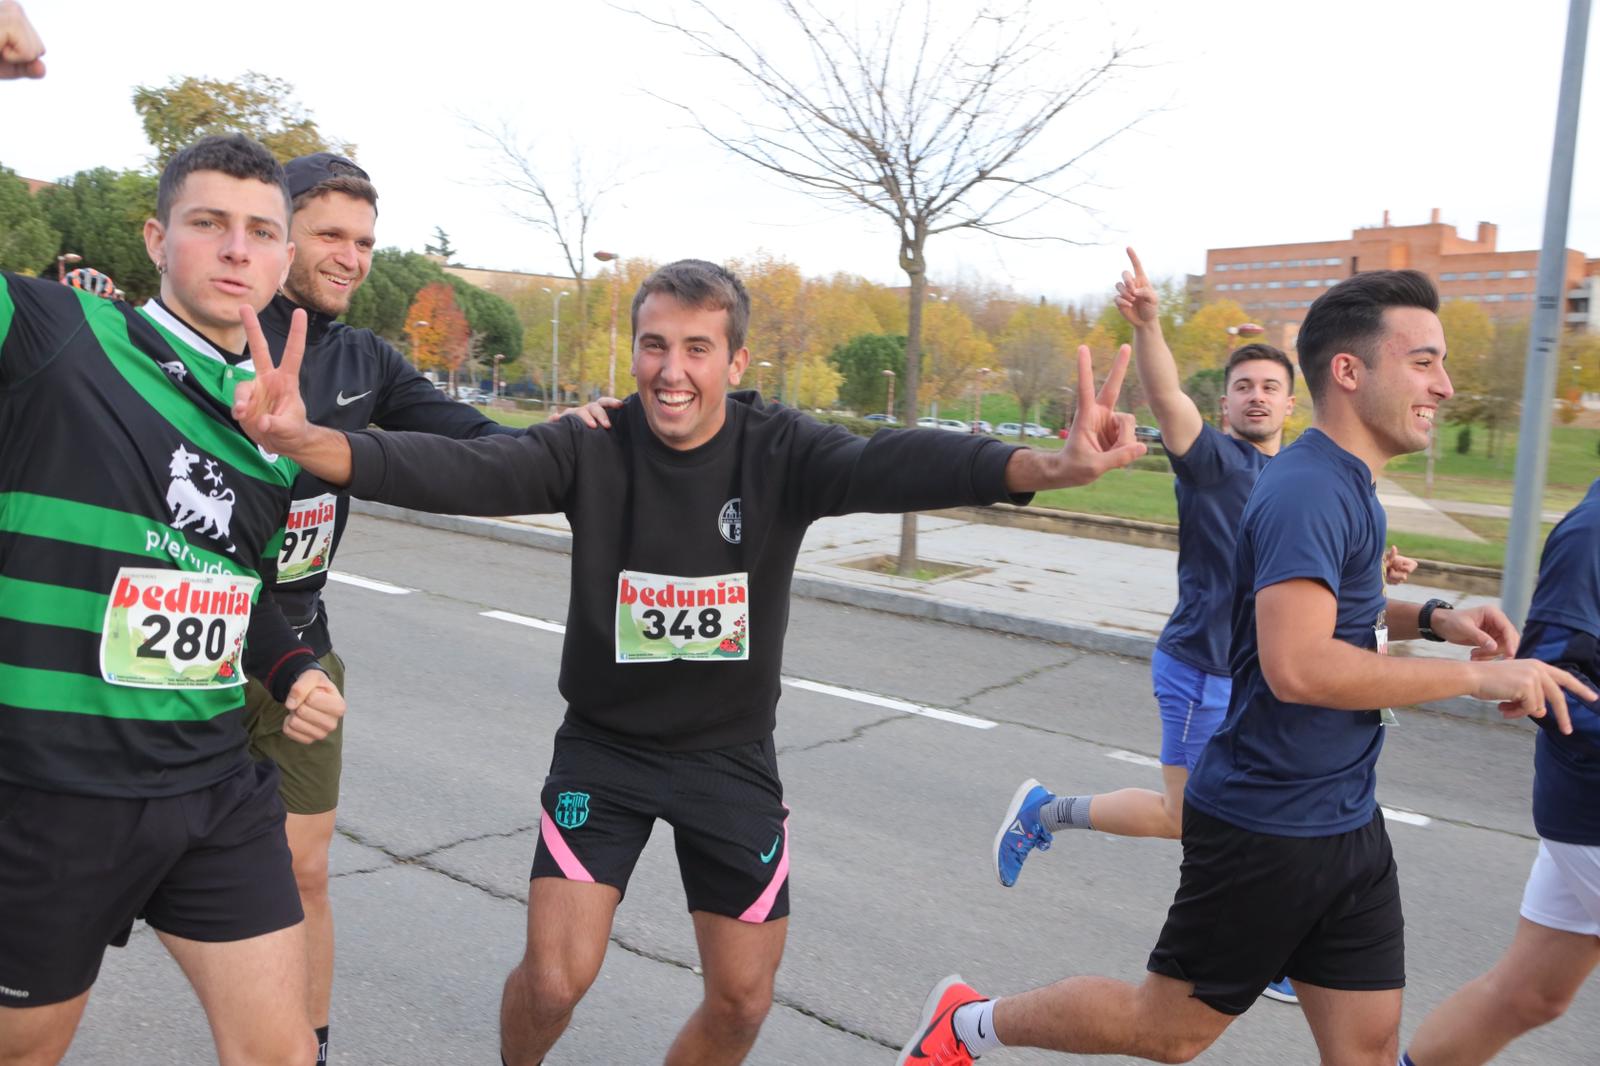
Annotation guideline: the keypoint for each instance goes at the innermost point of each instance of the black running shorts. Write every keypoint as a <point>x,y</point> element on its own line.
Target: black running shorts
<point>1252,908</point>
<point>725,807</point>
<point>75,871</point>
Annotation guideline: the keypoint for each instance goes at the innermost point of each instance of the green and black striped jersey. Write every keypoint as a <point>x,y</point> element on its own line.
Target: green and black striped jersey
<point>138,527</point>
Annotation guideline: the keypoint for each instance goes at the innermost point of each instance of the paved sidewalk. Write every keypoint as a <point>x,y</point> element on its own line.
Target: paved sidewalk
<point>1094,594</point>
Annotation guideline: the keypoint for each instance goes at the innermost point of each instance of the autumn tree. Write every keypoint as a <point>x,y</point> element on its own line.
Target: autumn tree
<point>396,277</point>
<point>953,351</point>
<point>1469,340</point>
<point>1033,351</point>
<point>1580,373</point>
<point>779,316</point>
<point>183,110</point>
<point>933,128</point>
<point>440,338</point>
<point>1203,341</point>
<point>27,241</point>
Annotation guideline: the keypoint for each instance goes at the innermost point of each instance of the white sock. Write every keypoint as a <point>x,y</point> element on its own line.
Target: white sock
<point>974,1024</point>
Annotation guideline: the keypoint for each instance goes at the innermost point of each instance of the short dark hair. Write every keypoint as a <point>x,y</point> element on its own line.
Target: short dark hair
<point>1251,353</point>
<point>1349,318</point>
<point>232,154</point>
<point>697,283</point>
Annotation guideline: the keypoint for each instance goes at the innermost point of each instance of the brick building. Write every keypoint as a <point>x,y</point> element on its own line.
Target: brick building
<point>1276,283</point>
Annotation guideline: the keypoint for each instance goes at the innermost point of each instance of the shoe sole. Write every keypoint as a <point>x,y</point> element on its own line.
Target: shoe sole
<point>1278,997</point>
<point>926,1018</point>
<point>1005,825</point>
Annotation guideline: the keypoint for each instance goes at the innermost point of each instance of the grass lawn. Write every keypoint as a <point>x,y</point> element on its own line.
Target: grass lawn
<point>511,416</point>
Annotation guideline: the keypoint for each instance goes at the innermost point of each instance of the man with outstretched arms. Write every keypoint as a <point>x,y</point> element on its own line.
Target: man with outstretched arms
<point>1287,869</point>
<point>351,378</point>
<point>1557,941</point>
<point>687,517</point>
<point>137,527</point>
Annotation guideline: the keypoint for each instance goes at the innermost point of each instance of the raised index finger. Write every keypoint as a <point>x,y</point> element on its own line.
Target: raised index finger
<point>1086,401</point>
<point>1138,267</point>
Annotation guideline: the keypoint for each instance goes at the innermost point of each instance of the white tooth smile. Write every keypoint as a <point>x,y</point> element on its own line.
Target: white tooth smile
<point>674,399</point>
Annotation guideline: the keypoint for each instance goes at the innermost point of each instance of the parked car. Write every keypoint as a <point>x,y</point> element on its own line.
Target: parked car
<point>927,423</point>
<point>885,419</point>
<point>982,427</point>
<point>954,425</point>
<point>472,395</point>
<point>1009,429</point>
<point>1034,429</point>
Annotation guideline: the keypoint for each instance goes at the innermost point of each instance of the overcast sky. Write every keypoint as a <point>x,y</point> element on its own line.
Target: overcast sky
<point>1272,122</point>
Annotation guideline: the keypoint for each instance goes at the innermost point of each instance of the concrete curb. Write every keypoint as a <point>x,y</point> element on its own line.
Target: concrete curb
<point>889,601</point>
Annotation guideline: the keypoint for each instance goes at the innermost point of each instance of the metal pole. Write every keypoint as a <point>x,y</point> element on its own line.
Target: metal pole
<point>611,380</point>
<point>555,344</point>
<point>1544,334</point>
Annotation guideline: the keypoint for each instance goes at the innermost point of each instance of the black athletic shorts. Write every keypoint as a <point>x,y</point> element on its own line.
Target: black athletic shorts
<point>725,807</point>
<point>1252,908</point>
<point>75,871</point>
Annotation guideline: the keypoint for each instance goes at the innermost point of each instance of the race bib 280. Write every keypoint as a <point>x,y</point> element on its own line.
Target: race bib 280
<point>661,617</point>
<point>175,629</point>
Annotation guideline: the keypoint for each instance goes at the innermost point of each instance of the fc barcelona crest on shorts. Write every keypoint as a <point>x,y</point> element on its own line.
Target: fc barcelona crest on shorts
<point>572,809</point>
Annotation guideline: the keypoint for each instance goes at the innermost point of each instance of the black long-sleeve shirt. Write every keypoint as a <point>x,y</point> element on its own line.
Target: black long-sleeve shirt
<point>739,503</point>
<point>350,379</point>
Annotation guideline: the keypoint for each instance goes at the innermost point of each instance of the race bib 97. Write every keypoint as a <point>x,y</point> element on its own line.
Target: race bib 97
<point>307,538</point>
<point>661,617</point>
<point>175,629</point>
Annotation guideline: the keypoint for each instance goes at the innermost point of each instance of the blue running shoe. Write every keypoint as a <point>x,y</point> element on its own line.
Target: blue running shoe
<point>1282,991</point>
<point>1021,831</point>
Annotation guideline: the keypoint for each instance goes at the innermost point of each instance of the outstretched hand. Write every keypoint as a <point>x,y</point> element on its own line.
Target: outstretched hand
<point>269,408</point>
<point>1101,437</point>
<point>1136,297</point>
<point>20,46</point>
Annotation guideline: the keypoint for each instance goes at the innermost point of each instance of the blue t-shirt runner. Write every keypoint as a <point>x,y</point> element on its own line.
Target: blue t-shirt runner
<point>1297,769</point>
<point>1564,629</point>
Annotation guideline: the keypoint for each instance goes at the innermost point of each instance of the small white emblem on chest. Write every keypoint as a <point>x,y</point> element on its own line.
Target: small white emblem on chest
<point>729,522</point>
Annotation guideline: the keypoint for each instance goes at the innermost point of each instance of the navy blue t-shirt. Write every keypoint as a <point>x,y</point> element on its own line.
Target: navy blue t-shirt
<point>1564,629</point>
<point>1214,480</point>
<point>1295,769</point>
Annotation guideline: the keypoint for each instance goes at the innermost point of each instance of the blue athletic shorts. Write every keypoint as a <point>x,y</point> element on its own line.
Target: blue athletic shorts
<point>1193,704</point>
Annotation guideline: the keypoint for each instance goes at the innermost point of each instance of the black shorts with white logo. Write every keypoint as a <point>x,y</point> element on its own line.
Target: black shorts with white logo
<point>725,807</point>
<point>75,871</point>
<point>1252,908</point>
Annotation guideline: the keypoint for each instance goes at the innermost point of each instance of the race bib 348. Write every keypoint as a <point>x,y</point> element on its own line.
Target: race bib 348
<point>661,617</point>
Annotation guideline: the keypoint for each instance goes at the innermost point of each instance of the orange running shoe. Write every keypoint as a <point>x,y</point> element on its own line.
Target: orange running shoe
<point>934,1043</point>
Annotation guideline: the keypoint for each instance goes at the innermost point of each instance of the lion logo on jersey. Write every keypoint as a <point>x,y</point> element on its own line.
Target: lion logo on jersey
<point>210,512</point>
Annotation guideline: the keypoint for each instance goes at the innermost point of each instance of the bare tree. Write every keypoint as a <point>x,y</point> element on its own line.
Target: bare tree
<point>934,137</point>
<point>565,213</point>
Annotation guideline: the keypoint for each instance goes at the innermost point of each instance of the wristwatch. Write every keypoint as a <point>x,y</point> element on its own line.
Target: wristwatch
<point>1425,616</point>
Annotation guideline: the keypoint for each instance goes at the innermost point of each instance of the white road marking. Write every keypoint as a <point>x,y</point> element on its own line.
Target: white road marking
<point>368,583</point>
<point>794,682</point>
<point>1133,757</point>
<point>890,702</point>
<point>1407,817</point>
<point>524,620</point>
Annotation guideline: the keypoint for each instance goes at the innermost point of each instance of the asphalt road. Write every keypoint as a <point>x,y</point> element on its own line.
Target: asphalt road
<point>452,711</point>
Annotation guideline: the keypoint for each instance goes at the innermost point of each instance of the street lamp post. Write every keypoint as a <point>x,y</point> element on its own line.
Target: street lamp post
<point>494,389</point>
<point>977,401</point>
<point>888,407</point>
<point>761,375</point>
<point>62,261</point>
<point>611,378</point>
<point>555,338</point>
